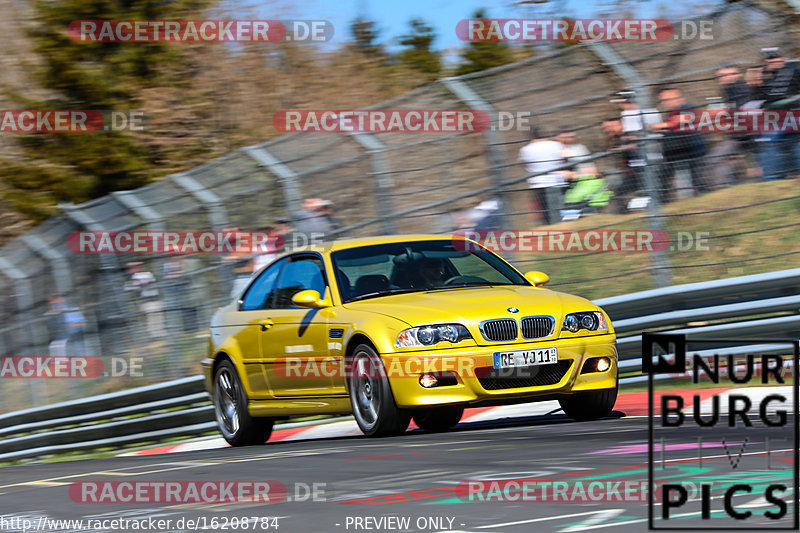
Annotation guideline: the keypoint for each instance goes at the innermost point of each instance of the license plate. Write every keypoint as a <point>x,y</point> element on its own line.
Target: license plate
<point>518,358</point>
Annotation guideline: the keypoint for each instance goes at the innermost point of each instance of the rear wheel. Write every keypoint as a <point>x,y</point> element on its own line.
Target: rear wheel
<point>230,409</point>
<point>371,396</point>
<point>437,419</point>
<point>589,405</point>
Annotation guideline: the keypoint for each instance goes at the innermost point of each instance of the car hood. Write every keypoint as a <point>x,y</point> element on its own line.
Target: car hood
<point>472,305</point>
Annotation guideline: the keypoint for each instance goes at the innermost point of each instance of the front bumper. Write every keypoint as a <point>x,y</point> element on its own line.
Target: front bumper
<point>471,365</point>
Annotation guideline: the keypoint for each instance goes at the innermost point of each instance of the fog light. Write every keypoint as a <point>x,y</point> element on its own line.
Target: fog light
<point>428,380</point>
<point>603,364</point>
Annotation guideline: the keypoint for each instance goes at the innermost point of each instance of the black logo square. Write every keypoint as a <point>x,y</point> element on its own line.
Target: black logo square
<point>657,346</point>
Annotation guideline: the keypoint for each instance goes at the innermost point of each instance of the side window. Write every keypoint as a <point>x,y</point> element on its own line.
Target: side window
<point>260,293</point>
<point>300,274</point>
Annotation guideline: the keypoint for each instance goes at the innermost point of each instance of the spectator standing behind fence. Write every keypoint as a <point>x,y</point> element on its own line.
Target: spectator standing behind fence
<point>485,216</point>
<point>625,181</point>
<point>541,156</point>
<point>66,325</point>
<point>588,193</point>
<point>142,285</point>
<point>777,83</point>
<point>684,151</point>
<point>575,153</point>
<point>240,265</point>
<point>736,95</point>
<point>276,243</point>
<point>635,123</point>
<point>316,219</point>
<point>176,290</point>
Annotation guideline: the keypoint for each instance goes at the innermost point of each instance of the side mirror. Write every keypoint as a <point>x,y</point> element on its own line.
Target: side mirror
<point>309,298</point>
<point>537,278</point>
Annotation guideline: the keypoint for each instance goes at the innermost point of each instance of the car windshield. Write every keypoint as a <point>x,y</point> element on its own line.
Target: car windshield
<point>392,268</point>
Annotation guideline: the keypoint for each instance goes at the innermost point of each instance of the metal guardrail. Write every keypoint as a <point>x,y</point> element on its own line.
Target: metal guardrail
<point>762,305</point>
<point>676,297</point>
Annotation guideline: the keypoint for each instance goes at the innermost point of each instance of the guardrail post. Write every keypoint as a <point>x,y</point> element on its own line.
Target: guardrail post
<point>625,71</point>
<point>383,182</point>
<point>493,140</point>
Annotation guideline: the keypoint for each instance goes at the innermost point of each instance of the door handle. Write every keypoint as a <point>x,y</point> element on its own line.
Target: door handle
<point>266,324</point>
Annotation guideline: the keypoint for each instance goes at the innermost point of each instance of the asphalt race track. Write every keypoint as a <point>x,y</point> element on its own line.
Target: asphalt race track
<point>411,483</point>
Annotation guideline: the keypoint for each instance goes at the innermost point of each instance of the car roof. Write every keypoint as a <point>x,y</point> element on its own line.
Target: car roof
<point>344,244</point>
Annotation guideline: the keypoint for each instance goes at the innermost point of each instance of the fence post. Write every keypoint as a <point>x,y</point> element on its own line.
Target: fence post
<point>383,182</point>
<point>289,182</point>
<point>115,277</point>
<point>216,208</point>
<point>24,296</point>
<point>132,202</point>
<point>59,263</point>
<point>633,79</point>
<point>464,92</point>
<point>217,215</point>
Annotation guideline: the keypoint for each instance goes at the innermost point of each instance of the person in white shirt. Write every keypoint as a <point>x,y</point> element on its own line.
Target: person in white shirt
<point>637,122</point>
<point>143,284</point>
<point>574,152</point>
<point>541,156</point>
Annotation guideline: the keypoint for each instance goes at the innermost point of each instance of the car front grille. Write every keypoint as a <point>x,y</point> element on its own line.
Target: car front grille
<point>502,329</point>
<point>536,327</point>
<point>528,376</point>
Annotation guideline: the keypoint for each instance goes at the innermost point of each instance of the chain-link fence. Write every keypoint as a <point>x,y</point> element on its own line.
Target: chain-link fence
<point>157,306</point>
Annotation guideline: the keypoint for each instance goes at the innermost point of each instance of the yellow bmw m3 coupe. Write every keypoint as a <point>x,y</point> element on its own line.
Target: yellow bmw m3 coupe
<point>395,328</point>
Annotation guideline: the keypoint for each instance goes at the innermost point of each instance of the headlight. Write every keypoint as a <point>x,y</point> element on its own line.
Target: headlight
<point>430,335</point>
<point>592,321</point>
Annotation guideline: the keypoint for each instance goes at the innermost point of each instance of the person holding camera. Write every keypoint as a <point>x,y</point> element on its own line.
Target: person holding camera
<point>777,85</point>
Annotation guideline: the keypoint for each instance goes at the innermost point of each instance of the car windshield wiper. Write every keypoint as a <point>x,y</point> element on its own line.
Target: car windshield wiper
<point>387,292</point>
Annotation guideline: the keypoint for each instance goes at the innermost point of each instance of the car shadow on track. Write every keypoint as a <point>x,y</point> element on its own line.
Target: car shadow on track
<point>549,419</point>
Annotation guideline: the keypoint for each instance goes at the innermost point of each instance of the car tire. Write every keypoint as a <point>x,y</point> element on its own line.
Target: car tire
<point>238,428</point>
<point>371,396</point>
<point>436,419</point>
<point>589,405</point>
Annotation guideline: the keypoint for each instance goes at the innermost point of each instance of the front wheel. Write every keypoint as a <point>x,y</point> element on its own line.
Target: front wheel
<point>371,396</point>
<point>435,419</point>
<point>589,405</point>
<point>230,409</point>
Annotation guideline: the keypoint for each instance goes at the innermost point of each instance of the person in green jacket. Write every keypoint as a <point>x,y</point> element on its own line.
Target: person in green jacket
<point>588,192</point>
